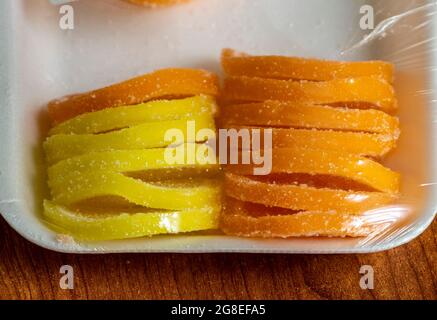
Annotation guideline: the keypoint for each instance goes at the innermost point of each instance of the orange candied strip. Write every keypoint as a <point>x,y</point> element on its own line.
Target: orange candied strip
<point>302,197</point>
<point>364,144</point>
<point>306,115</point>
<point>157,2</point>
<point>365,90</point>
<point>159,84</point>
<point>323,162</point>
<point>236,220</point>
<point>279,67</point>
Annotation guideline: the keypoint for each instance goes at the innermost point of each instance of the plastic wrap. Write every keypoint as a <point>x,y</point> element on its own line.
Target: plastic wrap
<point>113,40</point>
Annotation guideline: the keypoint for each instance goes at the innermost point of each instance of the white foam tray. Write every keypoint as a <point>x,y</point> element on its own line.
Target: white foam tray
<point>113,41</point>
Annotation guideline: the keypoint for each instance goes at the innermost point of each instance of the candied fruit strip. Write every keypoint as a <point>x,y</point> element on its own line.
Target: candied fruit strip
<point>156,3</point>
<point>148,135</point>
<point>349,142</point>
<point>127,161</point>
<point>323,162</point>
<point>306,115</point>
<point>302,197</point>
<point>236,220</point>
<point>281,67</point>
<point>159,84</point>
<point>364,144</point>
<point>127,116</point>
<point>370,90</point>
<point>126,225</point>
<point>83,185</point>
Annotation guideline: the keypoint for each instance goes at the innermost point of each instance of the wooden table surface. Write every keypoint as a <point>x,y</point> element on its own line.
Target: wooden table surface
<point>29,272</point>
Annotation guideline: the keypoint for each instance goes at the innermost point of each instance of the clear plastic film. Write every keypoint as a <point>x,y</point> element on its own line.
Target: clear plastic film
<point>405,34</point>
<point>353,145</point>
<point>285,205</point>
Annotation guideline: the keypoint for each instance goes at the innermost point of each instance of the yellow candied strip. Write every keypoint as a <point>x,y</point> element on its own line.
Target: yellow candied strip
<point>84,185</point>
<point>128,116</point>
<point>127,225</point>
<point>148,135</point>
<point>137,160</point>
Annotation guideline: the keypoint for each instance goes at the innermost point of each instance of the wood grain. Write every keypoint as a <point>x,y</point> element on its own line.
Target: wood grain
<point>29,272</point>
